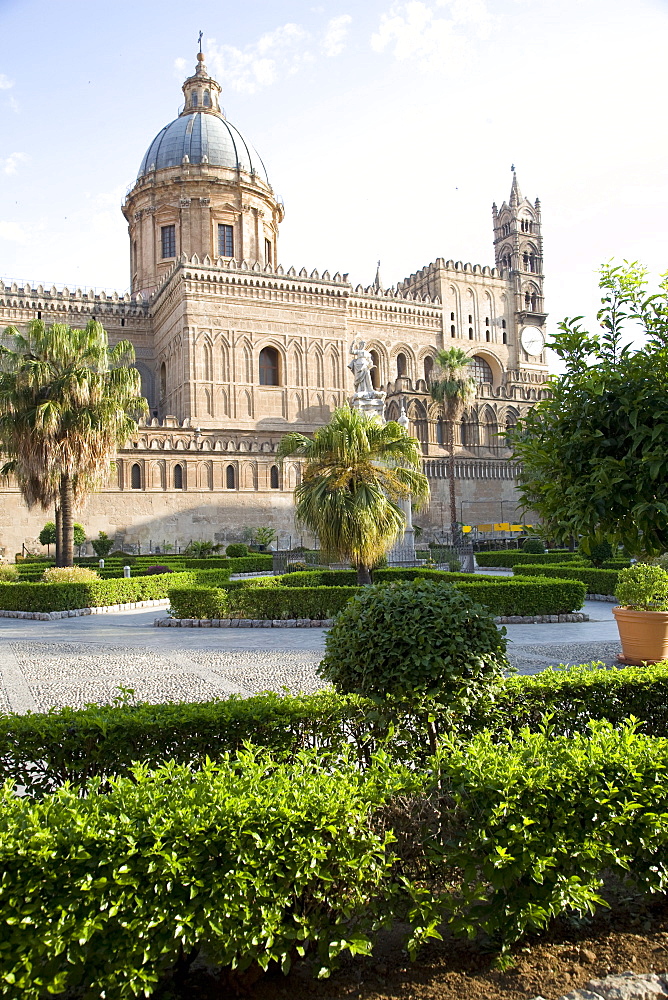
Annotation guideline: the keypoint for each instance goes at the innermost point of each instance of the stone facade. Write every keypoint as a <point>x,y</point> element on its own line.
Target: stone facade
<point>234,350</point>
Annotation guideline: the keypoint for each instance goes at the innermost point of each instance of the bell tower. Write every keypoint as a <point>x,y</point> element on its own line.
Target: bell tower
<point>518,252</point>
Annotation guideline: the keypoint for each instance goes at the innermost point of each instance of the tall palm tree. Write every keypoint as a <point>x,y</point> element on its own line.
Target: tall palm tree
<point>454,390</point>
<point>67,402</point>
<point>356,470</point>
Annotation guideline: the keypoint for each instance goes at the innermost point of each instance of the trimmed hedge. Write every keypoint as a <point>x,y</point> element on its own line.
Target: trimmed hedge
<point>96,594</point>
<point>596,581</point>
<point>43,751</point>
<point>279,598</point>
<point>509,559</point>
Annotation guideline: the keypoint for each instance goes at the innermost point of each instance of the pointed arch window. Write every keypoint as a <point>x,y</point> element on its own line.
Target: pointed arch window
<point>428,368</point>
<point>230,478</point>
<point>375,371</point>
<point>178,477</point>
<point>273,477</point>
<point>269,366</point>
<point>135,477</point>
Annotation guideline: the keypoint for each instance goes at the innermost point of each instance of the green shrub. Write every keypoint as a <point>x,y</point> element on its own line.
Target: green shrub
<point>102,545</point>
<point>540,819</point>
<point>596,581</point>
<point>525,596</point>
<point>276,602</point>
<point>643,588</point>
<point>236,549</point>
<point>296,567</point>
<point>420,643</point>
<point>252,859</point>
<point>125,558</point>
<point>69,574</point>
<point>198,602</point>
<point>244,564</point>
<point>446,554</point>
<point>8,573</point>
<point>533,545</point>
<point>596,551</point>
<point>94,594</point>
<point>153,570</point>
<point>570,697</point>
<point>508,559</point>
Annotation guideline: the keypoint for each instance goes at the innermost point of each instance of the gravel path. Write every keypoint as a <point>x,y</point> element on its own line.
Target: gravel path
<point>76,661</point>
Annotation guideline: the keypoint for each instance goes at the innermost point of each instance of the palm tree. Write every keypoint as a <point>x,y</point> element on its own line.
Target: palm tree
<point>67,402</point>
<point>454,390</point>
<point>356,470</point>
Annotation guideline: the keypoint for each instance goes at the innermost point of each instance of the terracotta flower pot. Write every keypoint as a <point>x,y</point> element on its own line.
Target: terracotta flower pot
<point>644,635</point>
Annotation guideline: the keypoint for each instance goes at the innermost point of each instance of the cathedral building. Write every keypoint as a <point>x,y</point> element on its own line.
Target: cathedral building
<point>234,349</point>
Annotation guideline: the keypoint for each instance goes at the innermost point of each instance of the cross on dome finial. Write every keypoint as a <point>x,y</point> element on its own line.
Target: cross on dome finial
<point>200,41</point>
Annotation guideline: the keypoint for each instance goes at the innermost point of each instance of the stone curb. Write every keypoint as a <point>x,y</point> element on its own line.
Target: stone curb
<point>243,623</point>
<point>625,986</point>
<point>328,622</point>
<point>50,616</point>
<point>601,597</point>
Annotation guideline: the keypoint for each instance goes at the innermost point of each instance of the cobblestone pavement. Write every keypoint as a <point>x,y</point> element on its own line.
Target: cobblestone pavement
<point>78,660</point>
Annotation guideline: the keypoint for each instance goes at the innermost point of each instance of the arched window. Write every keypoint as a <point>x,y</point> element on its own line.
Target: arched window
<point>178,477</point>
<point>441,435</point>
<point>452,317</point>
<point>428,368</point>
<point>193,99</point>
<point>527,302</point>
<point>401,365</point>
<point>207,99</point>
<point>470,333</point>
<point>135,477</point>
<point>163,380</point>
<point>230,478</point>
<point>452,331</point>
<point>269,366</point>
<point>375,371</point>
<point>505,334</point>
<point>480,370</point>
<point>273,477</point>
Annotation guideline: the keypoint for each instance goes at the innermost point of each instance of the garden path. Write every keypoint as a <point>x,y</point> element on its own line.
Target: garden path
<point>77,660</point>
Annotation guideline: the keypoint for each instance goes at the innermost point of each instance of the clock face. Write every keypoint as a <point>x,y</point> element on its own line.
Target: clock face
<point>532,341</point>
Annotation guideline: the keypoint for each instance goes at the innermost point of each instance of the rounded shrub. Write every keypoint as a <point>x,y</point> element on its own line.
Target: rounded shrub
<point>643,588</point>
<point>533,545</point>
<point>69,574</point>
<point>8,573</point>
<point>297,567</point>
<point>154,570</point>
<point>236,550</point>
<point>419,642</point>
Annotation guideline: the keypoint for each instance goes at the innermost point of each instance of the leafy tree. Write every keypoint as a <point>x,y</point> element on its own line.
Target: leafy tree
<point>356,470</point>
<point>595,454</point>
<point>78,534</point>
<point>47,535</point>
<point>454,389</point>
<point>102,545</point>
<point>67,402</point>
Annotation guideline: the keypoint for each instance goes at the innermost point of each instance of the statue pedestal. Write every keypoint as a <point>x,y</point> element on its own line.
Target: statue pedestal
<point>370,404</point>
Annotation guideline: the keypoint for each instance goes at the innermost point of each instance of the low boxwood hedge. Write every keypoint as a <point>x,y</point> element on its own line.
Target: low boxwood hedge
<point>42,751</point>
<point>278,598</point>
<point>96,594</point>
<point>596,581</point>
<point>508,558</point>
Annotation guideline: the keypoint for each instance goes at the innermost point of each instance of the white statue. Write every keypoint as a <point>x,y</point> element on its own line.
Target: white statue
<point>361,367</point>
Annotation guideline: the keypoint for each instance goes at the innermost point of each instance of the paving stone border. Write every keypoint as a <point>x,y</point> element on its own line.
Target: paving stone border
<point>602,597</point>
<point>328,622</point>
<point>48,616</point>
<point>625,986</point>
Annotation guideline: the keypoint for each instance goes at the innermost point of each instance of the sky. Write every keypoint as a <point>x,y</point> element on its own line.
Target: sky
<point>387,128</point>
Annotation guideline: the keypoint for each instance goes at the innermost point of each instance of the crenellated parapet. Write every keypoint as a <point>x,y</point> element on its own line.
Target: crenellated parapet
<point>25,301</point>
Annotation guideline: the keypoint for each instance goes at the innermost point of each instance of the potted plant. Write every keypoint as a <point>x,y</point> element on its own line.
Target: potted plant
<point>642,618</point>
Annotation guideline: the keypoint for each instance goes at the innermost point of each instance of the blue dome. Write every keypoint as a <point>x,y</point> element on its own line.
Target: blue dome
<point>202,134</point>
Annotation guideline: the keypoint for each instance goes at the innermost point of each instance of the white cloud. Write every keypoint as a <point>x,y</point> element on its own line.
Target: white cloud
<point>335,33</point>
<point>5,82</point>
<point>414,30</point>
<point>12,232</point>
<point>275,55</point>
<point>11,163</point>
